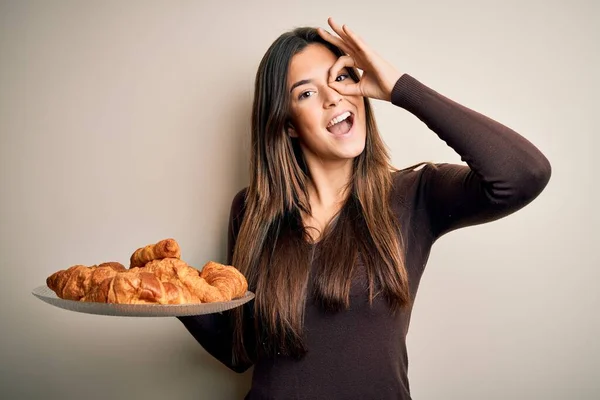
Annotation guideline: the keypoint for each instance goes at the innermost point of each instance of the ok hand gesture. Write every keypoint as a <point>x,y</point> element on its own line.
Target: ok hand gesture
<point>378,76</point>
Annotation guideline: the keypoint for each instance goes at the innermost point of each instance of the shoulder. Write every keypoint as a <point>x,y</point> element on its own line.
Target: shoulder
<point>420,173</point>
<point>236,216</point>
<point>410,178</point>
<point>239,199</point>
<point>411,185</point>
<point>238,204</point>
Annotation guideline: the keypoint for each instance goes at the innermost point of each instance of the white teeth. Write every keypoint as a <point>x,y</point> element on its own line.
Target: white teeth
<point>339,119</point>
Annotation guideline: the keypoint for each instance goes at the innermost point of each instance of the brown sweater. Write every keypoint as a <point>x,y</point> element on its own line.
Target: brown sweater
<point>361,353</point>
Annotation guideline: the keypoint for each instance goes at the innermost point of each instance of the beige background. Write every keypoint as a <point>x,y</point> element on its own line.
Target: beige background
<point>125,122</point>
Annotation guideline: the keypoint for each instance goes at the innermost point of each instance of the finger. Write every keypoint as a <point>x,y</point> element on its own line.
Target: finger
<point>340,31</point>
<point>341,62</point>
<point>334,40</point>
<point>336,27</point>
<point>346,89</point>
<point>358,43</point>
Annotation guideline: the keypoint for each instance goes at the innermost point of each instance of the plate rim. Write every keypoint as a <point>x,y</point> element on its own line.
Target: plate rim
<point>138,310</point>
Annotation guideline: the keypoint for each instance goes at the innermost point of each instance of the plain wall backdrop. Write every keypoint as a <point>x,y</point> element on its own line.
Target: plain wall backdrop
<point>126,122</point>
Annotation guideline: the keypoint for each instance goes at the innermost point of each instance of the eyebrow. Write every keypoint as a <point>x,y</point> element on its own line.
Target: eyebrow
<point>300,83</point>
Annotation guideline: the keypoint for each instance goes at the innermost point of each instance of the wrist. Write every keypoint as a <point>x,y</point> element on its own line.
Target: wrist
<point>394,77</point>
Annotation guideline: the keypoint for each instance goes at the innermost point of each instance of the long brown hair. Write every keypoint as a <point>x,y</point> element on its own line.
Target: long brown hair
<point>273,248</point>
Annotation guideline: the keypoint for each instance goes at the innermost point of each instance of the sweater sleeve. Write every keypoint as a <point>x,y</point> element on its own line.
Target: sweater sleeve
<point>504,171</point>
<point>214,332</point>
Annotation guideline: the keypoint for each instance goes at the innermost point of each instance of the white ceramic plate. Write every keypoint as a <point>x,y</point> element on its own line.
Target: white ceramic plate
<point>46,294</point>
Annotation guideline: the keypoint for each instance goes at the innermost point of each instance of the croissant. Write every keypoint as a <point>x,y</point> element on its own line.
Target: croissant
<point>137,286</point>
<point>74,282</point>
<point>167,248</point>
<point>226,279</point>
<point>216,282</point>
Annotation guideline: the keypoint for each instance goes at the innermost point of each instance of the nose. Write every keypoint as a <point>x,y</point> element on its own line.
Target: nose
<point>332,97</point>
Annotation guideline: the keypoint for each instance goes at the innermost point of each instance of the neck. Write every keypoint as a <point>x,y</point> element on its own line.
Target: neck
<point>329,182</point>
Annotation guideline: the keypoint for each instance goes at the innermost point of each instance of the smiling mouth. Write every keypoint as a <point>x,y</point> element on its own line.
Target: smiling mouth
<point>341,125</point>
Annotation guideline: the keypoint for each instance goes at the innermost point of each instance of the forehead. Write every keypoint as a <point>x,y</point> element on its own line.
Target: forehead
<point>313,62</point>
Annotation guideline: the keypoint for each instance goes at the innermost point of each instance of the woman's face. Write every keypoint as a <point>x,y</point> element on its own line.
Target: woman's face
<point>330,126</point>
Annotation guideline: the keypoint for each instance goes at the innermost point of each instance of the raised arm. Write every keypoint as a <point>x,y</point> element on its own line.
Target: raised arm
<point>504,171</point>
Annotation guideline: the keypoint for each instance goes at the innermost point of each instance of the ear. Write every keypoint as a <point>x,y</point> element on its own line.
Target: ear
<point>290,130</point>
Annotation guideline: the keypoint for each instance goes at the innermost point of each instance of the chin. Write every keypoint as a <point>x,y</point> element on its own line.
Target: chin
<point>352,150</point>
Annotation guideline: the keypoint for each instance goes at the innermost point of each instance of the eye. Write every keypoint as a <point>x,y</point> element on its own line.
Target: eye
<point>305,95</point>
<point>341,77</point>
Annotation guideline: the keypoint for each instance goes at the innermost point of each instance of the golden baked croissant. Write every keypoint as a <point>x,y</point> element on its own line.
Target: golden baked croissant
<point>228,281</point>
<point>167,248</point>
<point>76,281</point>
<point>137,286</point>
<point>216,282</point>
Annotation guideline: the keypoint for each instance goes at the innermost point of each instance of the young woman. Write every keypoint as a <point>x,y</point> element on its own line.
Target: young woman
<point>332,239</point>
